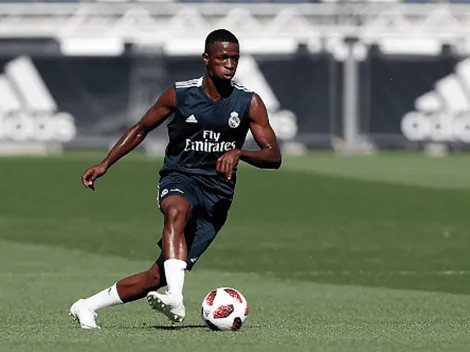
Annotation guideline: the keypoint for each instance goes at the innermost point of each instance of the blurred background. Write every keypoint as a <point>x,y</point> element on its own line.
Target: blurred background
<point>350,76</point>
<point>370,251</point>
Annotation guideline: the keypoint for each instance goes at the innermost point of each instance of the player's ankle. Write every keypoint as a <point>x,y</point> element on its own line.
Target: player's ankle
<point>106,298</point>
<point>174,272</point>
<point>176,296</point>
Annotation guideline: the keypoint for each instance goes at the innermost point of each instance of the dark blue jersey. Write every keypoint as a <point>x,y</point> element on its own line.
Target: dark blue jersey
<point>202,129</point>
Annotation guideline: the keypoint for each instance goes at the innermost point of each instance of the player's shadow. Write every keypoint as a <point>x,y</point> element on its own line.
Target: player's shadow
<point>175,327</point>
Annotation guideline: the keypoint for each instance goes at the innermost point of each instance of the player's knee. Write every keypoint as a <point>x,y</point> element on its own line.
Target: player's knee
<point>177,213</point>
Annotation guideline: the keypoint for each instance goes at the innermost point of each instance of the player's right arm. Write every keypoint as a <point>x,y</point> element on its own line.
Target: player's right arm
<point>153,118</point>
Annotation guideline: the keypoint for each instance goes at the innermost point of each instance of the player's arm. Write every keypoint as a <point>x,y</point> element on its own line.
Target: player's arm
<point>269,155</point>
<point>153,118</point>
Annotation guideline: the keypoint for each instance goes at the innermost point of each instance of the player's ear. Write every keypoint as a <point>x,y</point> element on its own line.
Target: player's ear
<point>205,59</point>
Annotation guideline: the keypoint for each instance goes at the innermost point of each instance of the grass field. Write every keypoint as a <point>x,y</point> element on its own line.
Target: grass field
<point>332,253</point>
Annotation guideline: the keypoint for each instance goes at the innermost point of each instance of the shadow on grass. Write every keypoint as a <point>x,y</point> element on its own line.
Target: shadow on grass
<point>179,327</point>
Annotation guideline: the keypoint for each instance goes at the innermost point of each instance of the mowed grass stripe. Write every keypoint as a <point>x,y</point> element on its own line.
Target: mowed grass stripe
<point>283,313</point>
<point>286,224</point>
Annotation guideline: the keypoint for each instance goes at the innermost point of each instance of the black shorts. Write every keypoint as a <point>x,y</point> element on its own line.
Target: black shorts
<point>209,210</point>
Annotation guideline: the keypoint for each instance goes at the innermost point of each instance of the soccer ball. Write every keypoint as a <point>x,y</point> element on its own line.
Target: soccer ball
<point>224,308</point>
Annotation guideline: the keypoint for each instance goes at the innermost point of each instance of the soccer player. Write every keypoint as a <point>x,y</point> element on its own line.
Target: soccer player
<point>211,117</point>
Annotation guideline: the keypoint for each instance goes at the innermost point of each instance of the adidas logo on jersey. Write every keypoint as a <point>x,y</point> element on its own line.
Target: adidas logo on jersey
<point>28,112</point>
<point>191,119</point>
<point>442,115</point>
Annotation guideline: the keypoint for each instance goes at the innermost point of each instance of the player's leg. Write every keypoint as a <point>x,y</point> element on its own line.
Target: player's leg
<point>175,202</point>
<point>200,233</point>
<point>177,212</point>
<point>126,290</point>
<point>137,286</point>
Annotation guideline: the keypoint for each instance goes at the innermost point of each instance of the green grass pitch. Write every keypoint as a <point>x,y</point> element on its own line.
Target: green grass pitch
<point>332,253</point>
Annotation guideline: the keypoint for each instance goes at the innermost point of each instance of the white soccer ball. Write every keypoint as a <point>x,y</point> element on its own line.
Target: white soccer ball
<point>224,308</point>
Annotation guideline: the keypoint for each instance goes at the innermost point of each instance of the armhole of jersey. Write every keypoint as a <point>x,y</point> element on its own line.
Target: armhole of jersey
<point>246,113</point>
<point>178,92</point>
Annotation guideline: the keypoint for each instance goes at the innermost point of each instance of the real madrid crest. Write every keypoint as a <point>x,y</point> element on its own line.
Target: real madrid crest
<point>234,120</point>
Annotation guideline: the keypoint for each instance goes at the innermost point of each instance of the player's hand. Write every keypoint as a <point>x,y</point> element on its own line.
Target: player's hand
<point>227,162</point>
<point>90,175</point>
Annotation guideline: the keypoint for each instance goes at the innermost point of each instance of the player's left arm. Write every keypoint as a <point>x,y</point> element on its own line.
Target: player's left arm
<point>269,154</point>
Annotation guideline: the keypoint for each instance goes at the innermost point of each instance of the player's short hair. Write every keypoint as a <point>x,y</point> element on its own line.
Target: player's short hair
<point>219,35</point>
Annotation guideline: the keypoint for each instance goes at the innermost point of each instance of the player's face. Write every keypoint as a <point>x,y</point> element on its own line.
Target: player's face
<point>222,60</point>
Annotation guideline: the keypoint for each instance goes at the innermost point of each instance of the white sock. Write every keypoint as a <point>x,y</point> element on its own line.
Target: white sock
<point>107,298</point>
<point>174,272</point>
